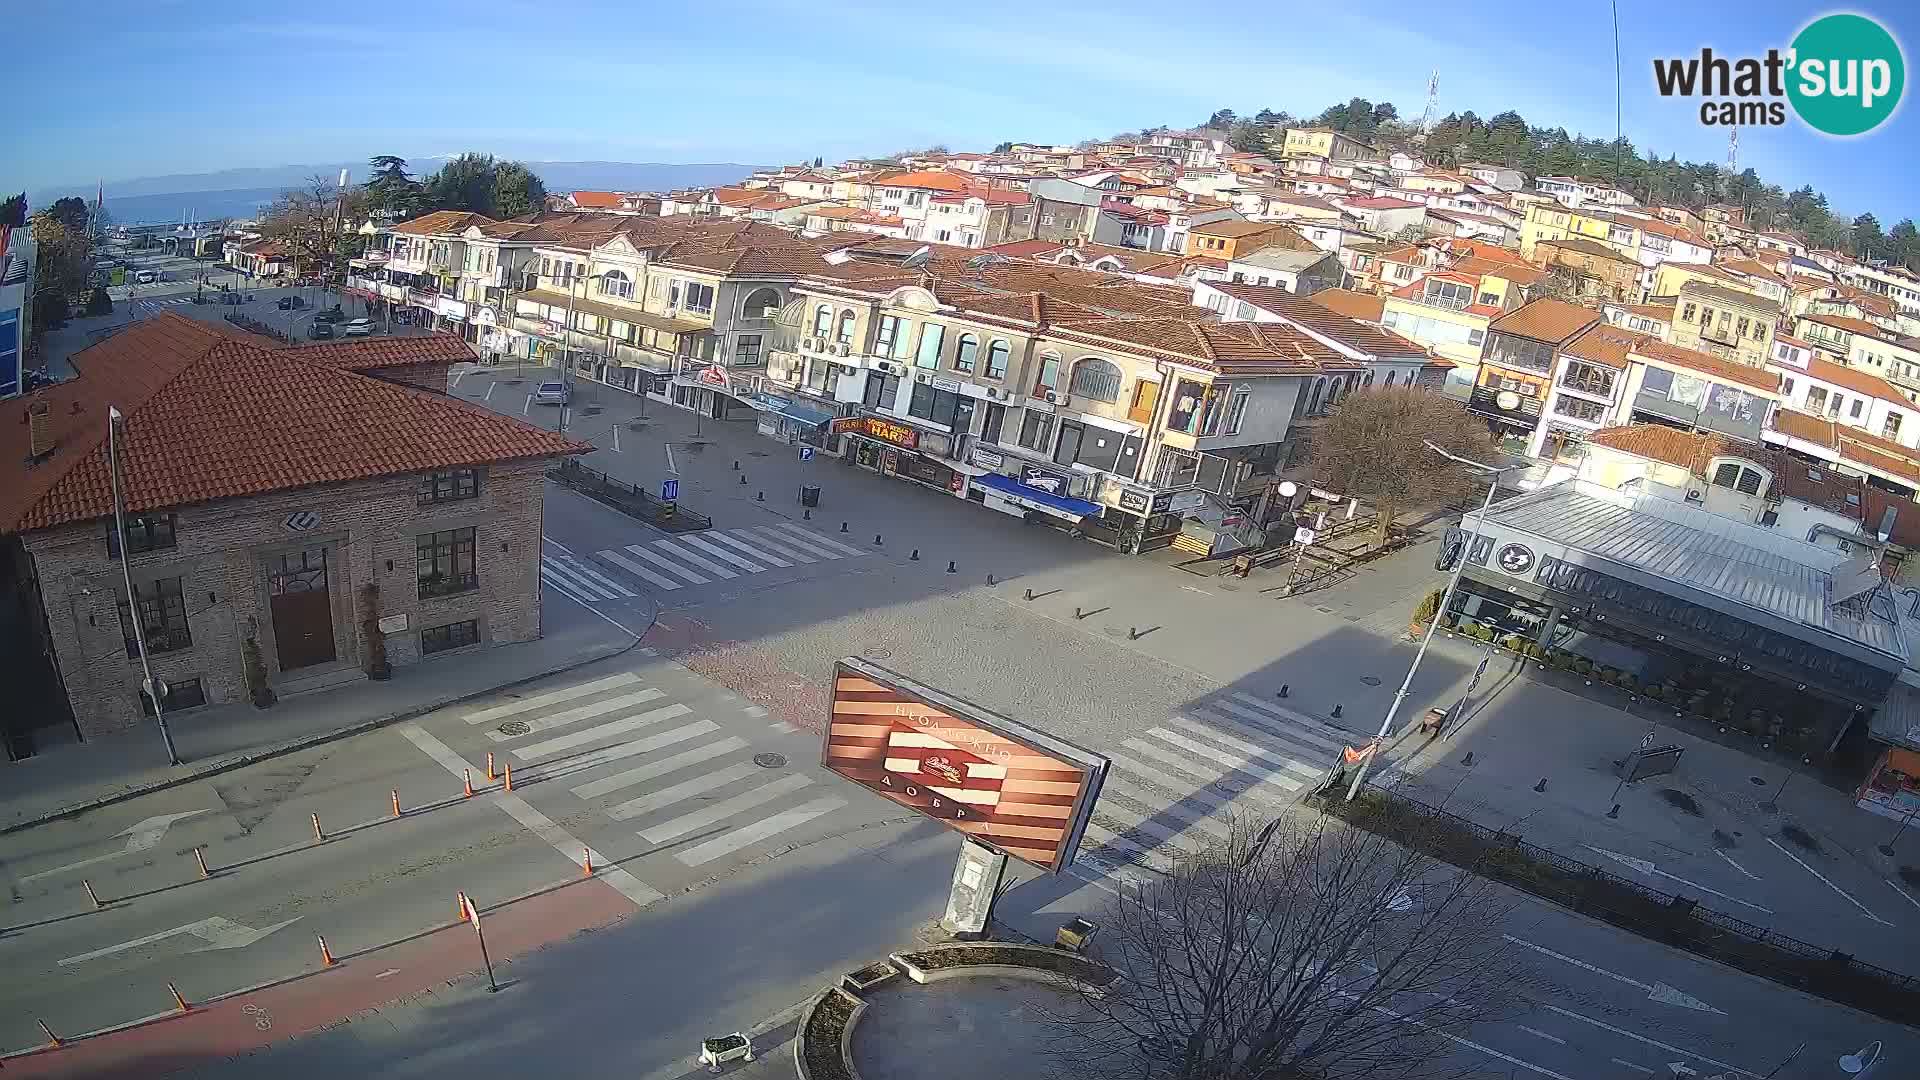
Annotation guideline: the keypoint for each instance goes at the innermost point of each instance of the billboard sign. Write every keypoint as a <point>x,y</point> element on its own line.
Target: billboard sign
<point>1001,783</point>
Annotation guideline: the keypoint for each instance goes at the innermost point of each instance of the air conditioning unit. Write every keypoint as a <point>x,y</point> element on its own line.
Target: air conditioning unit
<point>1696,494</point>
<point>842,349</point>
<point>808,344</point>
<point>922,377</point>
<point>1055,398</point>
<point>992,393</point>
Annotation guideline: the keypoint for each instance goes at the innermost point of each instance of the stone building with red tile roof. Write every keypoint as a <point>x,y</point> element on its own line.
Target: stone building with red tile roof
<point>272,496</point>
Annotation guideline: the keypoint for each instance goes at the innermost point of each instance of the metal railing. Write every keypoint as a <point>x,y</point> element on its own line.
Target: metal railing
<point>1677,921</point>
<point>633,501</point>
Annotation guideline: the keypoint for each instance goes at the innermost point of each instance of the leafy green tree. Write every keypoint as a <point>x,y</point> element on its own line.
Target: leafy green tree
<point>71,211</point>
<point>818,161</point>
<point>1221,120</point>
<point>1903,243</point>
<point>1003,148</point>
<point>517,190</point>
<point>390,189</point>
<point>1247,137</point>
<point>1867,239</point>
<point>64,259</point>
<point>98,302</point>
<point>13,212</point>
<point>465,183</point>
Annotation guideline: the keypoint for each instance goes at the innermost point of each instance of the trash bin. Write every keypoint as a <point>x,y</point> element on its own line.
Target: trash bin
<point>810,495</point>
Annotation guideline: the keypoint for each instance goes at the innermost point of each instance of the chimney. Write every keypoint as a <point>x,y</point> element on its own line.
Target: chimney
<point>39,430</point>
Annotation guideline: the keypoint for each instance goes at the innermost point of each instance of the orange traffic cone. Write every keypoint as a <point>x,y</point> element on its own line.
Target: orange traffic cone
<point>326,955</point>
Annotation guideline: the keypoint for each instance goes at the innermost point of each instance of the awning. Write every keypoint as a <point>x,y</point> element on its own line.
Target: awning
<point>1034,499</point>
<point>805,413</point>
<point>615,312</point>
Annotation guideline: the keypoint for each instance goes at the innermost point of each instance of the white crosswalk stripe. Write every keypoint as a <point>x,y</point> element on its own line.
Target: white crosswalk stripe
<point>721,553</point>
<point>748,549</point>
<point>685,782</point>
<point>668,565</point>
<point>823,544</point>
<point>673,564</point>
<point>688,555</point>
<point>576,580</point>
<point>1172,786</point>
<point>637,570</point>
<point>777,544</point>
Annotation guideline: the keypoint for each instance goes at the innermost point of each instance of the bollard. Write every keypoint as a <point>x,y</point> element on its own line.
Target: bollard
<point>319,837</point>
<point>467,782</point>
<point>396,802</point>
<point>178,1000</point>
<point>736,466</point>
<point>1076,612</point>
<point>509,781</point>
<point>200,857</point>
<point>1133,633</point>
<point>1542,785</point>
<point>326,955</point>
<point>1337,710</point>
<point>951,568</point>
<point>586,862</point>
<point>490,776</point>
<point>806,514</point>
<point>1029,594</point>
<point>52,1039</point>
<point>915,557</point>
<point>990,581</point>
<point>1468,760</point>
<point>1615,812</point>
<point>97,905</point>
<point>1283,689</point>
<point>843,526</point>
<point>759,496</point>
<point>743,479</point>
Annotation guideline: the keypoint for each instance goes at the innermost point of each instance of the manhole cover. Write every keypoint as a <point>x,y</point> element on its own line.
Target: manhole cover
<point>1680,800</point>
<point>769,761</point>
<point>514,727</point>
<point>1757,781</point>
<point>1370,680</point>
<point>879,652</point>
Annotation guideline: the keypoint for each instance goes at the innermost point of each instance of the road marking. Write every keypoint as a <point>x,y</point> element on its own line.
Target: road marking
<point>1656,991</point>
<point>564,549</point>
<point>729,843</point>
<point>141,836</point>
<point>1541,1034</point>
<point>571,592</point>
<point>573,716</point>
<point>756,710</point>
<point>637,570</point>
<point>779,544</point>
<point>725,809</point>
<point>1647,867</point>
<point>1631,1065</point>
<point>1736,865</point>
<point>719,552</point>
<point>552,697</point>
<point>217,932</point>
<point>686,789</point>
<point>536,822</point>
<point>695,558</point>
<point>1828,884</point>
<point>527,406</point>
<point>1716,1063</point>
<point>798,540</point>
<point>599,731</point>
<point>736,542</point>
<point>389,973</point>
<point>671,467</point>
<point>819,541</point>
<point>1251,750</point>
<point>488,396</point>
<point>616,437</point>
<point>665,564</point>
<point>1904,895</point>
<point>666,765</point>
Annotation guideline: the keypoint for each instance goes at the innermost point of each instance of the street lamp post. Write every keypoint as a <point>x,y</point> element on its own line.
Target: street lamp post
<point>154,690</point>
<point>1446,597</point>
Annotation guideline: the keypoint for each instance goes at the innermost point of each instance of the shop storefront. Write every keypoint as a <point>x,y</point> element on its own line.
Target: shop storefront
<point>901,450</point>
<point>791,420</point>
<point>1033,490</point>
<point>1142,518</point>
<point>1892,788</point>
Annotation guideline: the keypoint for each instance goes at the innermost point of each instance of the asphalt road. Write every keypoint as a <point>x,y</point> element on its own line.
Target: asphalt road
<point>657,768</point>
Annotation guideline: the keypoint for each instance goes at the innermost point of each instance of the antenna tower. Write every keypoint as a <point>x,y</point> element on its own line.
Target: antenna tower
<point>1427,118</point>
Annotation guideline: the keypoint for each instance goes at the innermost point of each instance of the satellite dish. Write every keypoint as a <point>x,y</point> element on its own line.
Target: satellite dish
<point>981,262</point>
<point>1288,489</point>
<point>919,258</point>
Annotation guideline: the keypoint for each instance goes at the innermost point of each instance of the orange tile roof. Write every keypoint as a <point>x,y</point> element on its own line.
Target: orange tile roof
<point>1233,228</point>
<point>1603,343</point>
<point>440,222</point>
<point>932,181</point>
<point>1845,322</point>
<point>1345,329</point>
<point>1354,305</point>
<point>596,200</point>
<point>1708,364</point>
<point>1546,320</point>
<point>369,353</point>
<point>214,416</point>
<point>1856,380</point>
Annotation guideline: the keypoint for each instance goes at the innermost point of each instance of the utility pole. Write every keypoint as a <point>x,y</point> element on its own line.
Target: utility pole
<point>155,691</point>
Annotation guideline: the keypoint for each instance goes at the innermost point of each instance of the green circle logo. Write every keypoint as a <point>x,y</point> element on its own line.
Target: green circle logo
<point>1847,75</point>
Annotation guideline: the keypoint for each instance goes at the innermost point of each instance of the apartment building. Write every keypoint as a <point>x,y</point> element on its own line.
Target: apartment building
<point>1518,363</point>
<point>17,255</point>
<point>1735,325</point>
<point>1325,144</point>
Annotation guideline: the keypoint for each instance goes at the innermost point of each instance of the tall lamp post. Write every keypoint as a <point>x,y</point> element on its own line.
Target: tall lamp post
<point>1399,696</point>
<point>155,691</point>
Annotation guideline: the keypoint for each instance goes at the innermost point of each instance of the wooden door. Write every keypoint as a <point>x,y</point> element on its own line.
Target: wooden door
<point>302,608</point>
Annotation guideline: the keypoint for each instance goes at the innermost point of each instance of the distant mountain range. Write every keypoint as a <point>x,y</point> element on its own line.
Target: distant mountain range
<point>558,175</point>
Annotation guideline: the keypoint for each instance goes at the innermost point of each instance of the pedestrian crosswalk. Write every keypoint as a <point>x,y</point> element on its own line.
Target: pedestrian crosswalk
<point>679,780</point>
<point>673,563</point>
<point>1172,785</point>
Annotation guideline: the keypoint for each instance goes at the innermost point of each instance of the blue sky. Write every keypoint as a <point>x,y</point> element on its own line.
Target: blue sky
<point>165,86</point>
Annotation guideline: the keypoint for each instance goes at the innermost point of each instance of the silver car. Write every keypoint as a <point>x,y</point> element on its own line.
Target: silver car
<point>358,328</point>
<point>552,393</point>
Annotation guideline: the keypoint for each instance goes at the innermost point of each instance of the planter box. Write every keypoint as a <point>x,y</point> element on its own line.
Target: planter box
<point>868,977</point>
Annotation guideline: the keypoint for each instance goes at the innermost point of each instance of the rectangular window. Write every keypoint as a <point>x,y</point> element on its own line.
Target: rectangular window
<point>163,617</point>
<point>931,337</point>
<point>882,391</point>
<point>1816,398</point>
<point>1237,409</point>
<point>1858,405</point>
<point>145,532</point>
<point>1890,428</point>
<point>1036,431</point>
<point>699,298</point>
<point>990,429</point>
<point>181,694</point>
<point>886,335</point>
<point>446,562</point>
<point>451,636</point>
<point>746,351</point>
<point>452,485</point>
<point>938,406</point>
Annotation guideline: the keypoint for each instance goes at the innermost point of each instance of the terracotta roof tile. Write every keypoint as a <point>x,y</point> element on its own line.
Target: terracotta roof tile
<point>1546,320</point>
<point>209,416</point>
<point>441,222</point>
<point>1856,380</point>
<point>368,353</point>
<point>1603,343</point>
<point>1368,307</point>
<point>1345,329</point>
<point>1708,364</point>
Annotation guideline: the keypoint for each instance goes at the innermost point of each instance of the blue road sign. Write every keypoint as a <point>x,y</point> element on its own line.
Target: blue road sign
<point>669,490</point>
<point>806,453</point>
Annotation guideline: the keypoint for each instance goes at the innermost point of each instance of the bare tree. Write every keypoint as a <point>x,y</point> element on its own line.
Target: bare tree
<point>1374,447</point>
<point>1304,949</point>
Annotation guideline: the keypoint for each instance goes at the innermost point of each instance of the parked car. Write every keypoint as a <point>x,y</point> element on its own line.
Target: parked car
<point>552,393</point>
<point>330,315</point>
<point>320,331</point>
<point>285,303</point>
<point>358,328</point>
<point>146,277</point>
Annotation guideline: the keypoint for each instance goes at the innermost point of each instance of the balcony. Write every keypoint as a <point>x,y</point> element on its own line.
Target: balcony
<point>438,584</point>
<point>162,640</point>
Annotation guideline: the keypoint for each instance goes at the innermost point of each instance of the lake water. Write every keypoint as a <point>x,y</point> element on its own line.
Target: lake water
<point>202,205</point>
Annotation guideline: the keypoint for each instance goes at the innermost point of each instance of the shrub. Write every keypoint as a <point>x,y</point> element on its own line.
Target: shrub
<point>1429,604</point>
